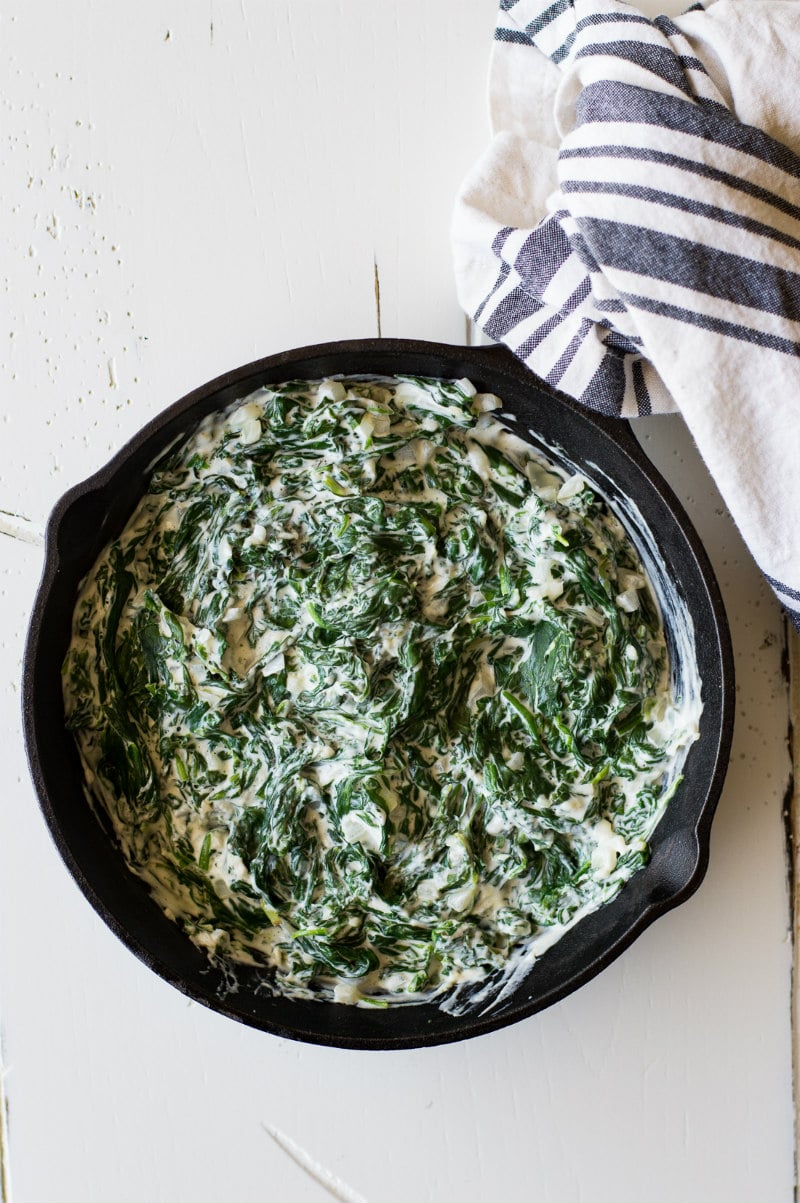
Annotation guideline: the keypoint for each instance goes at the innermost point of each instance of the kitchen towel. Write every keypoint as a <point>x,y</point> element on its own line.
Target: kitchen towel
<point>633,232</point>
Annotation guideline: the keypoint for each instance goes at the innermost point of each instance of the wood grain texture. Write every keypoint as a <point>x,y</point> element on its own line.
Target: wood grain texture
<point>189,185</point>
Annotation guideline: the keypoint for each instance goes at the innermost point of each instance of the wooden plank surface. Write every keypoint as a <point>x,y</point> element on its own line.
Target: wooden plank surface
<point>187,186</point>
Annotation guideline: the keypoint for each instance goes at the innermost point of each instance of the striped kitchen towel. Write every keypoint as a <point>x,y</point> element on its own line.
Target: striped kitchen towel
<point>633,232</point>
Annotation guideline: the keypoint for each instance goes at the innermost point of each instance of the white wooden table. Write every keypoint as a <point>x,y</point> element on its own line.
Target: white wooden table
<point>188,185</point>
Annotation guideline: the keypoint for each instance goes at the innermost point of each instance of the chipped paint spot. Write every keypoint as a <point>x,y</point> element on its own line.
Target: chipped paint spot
<point>85,200</point>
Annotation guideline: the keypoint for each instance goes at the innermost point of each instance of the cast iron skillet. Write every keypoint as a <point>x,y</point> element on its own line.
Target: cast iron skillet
<point>94,512</point>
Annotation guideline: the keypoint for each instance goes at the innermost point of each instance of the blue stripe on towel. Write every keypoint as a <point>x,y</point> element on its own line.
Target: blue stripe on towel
<point>657,59</point>
<point>704,269</point>
<point>613,101</point>
<point>607,387</point>
<point>779,585</point>
<point>640,389</point>
<point>687,204</point>
<point>563,362</point>
<point>746,334</point>
<point>648,154</point>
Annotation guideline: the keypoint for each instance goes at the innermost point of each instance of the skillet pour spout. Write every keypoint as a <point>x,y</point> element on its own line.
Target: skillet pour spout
<point>606,452</point>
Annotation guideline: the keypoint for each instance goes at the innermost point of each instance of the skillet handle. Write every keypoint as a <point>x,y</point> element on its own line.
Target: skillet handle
<point>77,520</point>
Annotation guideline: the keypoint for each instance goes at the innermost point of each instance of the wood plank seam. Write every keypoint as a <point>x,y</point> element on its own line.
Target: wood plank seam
<point>5,1167</point>
<point>791,814</point>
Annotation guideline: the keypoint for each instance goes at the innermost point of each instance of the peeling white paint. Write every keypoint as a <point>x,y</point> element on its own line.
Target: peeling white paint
<point>330,1182</point>
<point>16,526</point>
<point>5,1167</point>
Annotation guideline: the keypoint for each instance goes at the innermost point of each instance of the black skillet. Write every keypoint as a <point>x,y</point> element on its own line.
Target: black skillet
<point>94,512</point>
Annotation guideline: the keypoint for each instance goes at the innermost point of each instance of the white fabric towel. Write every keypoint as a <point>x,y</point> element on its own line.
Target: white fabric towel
<point>633,232</point>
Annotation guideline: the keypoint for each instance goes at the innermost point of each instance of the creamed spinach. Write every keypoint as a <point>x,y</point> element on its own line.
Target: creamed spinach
<point>375,698</point>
